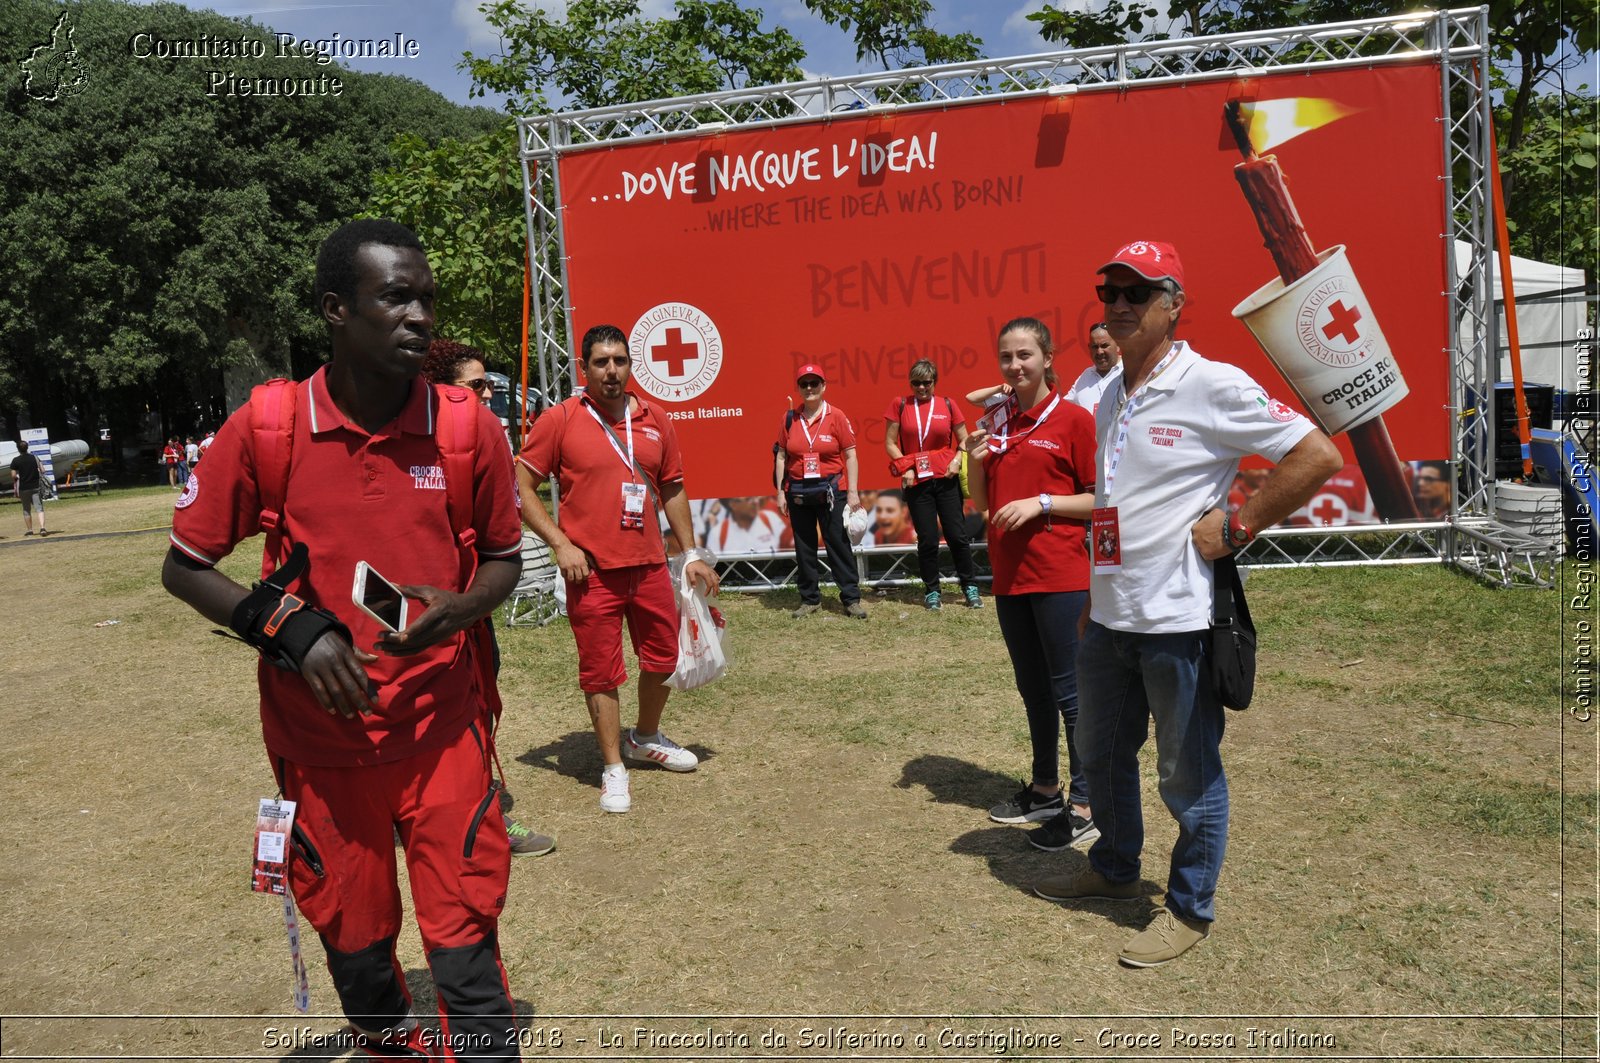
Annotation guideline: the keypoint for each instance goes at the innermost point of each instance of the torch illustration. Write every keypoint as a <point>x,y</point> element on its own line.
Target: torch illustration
<point>1313,320</point>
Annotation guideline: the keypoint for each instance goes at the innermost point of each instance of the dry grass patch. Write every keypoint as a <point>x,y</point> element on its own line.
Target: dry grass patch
<point>1396,847</point>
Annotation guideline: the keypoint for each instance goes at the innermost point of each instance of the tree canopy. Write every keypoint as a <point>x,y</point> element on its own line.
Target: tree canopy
<point>157,234</point>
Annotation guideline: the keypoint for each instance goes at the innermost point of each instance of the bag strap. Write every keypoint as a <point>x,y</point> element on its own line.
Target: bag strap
<point>272,416</point>
<point>456,433</point>
<point>1243,607</point>
<point>1228,605</point>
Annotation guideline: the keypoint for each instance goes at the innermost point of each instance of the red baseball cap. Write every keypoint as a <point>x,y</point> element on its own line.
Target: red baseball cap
<point>1150,259</point>
<point>810,369</point>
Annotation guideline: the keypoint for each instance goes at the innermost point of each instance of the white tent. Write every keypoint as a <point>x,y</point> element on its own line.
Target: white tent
<point>1547,322</point>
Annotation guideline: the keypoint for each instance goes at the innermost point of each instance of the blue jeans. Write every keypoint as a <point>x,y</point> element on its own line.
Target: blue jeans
<point>1125,680</point>
<point>1041,633</point>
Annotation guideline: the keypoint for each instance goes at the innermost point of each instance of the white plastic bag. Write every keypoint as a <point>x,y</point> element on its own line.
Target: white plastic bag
<point>856,522</point>
<point>701,656</point>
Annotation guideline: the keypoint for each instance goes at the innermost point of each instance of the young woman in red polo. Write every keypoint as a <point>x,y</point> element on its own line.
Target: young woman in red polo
<point>1031,466</point>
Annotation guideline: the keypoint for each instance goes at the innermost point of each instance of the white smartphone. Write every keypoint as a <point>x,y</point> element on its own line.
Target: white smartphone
<point>379,598</point>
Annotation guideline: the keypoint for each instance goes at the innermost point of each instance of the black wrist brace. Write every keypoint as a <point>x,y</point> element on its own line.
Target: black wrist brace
<point>279,624</point>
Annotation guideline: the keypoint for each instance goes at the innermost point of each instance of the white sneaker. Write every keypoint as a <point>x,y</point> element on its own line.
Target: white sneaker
<point>615,794</point>
<point>663,751</point>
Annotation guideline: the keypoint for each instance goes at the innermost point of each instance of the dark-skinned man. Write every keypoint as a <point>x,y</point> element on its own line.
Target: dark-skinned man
<point>371,731</point>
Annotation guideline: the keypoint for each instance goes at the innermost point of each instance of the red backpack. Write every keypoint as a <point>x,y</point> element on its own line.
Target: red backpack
<point>273,409</point>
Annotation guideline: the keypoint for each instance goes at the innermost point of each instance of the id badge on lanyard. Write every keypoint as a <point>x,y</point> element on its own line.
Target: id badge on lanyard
<point>1105,532</point>
<point>999,415</point>
<point>1105,540</point>
<point>270,874</point>
<point>810,460</point>
<point>274,822</point>
<point>633,492</point>
<point>633,497</point>
<point>924,462</point>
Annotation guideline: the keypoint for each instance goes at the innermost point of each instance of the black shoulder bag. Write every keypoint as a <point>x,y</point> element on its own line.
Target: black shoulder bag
<point>1233,637</point>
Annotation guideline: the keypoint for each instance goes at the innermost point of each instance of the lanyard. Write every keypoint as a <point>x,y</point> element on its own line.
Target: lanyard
<point>922,431</point>
<point>1006,435</point>
<point>611,437</point>
<point>1130,403</point>
<point>806,428</point>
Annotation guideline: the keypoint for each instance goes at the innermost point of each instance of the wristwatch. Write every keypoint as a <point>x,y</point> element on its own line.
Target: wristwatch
<point>1044,503</point>
<point>1234,531</point>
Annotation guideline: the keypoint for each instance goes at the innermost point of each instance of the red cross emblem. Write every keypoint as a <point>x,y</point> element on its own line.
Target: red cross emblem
<point>1329,510</point>
<point>674,352</point>
<point>1342,322</point>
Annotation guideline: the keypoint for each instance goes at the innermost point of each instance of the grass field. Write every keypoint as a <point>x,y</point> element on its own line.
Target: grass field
<point>1411,869</point>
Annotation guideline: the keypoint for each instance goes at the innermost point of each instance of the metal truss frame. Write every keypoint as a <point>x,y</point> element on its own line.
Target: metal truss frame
<point>1458,40</point>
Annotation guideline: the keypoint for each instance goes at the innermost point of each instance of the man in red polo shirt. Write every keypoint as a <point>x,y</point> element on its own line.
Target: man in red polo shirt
<point>615,458</point>
<point>395,740</point>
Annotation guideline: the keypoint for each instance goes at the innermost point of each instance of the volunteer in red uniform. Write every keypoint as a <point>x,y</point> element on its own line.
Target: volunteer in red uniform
<point>614,458</point>
<point>1031,466</point>
<point>816,448</point>
<point>921,438</point>
<point>370,743</point>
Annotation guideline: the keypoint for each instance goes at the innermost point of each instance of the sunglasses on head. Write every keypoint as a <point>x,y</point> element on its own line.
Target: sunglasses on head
<point>1136,294</point>
<point>479,385</point>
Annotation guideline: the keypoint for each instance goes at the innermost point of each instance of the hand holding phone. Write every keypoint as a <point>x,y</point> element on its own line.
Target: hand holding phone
<point>379,598</point>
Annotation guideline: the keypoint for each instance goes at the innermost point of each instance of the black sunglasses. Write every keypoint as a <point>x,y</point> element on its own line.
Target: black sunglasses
<point>808,383</point>
<point>479,385</point>
<point>1136,294</point>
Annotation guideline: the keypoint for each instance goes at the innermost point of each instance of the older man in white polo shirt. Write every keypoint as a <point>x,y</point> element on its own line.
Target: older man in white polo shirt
<point>1170,438</point>
<point>1104,372</point>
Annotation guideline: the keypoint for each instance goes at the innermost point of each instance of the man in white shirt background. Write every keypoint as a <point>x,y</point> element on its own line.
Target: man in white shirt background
<point>1104,371</point>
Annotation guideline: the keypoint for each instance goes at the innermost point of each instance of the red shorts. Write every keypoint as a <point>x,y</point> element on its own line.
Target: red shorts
<point>457,854</point>
<point>643,594</point>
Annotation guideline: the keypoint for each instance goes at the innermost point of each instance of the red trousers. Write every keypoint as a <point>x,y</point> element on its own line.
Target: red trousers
<point>445,805</point>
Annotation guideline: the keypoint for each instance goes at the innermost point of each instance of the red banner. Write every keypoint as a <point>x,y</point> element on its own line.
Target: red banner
<point>864,243</point>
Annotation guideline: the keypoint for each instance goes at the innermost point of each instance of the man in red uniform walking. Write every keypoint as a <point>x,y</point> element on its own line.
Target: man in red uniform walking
<point>370,743</point>
<point>615,458</point>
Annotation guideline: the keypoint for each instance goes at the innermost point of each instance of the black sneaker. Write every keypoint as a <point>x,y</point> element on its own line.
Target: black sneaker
<point>1027,806</point>
<point>1065,830</point>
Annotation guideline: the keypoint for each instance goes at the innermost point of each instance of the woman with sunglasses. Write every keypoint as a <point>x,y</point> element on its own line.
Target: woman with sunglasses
<point>817,446</point>
<point>1031,466</point>
<point>921,438</point>
<point>449,362</point>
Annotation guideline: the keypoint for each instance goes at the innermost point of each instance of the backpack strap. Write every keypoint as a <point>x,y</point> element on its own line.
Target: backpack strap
<point>272,416</point>
<point>788,422</point>
<point>456,433</point>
